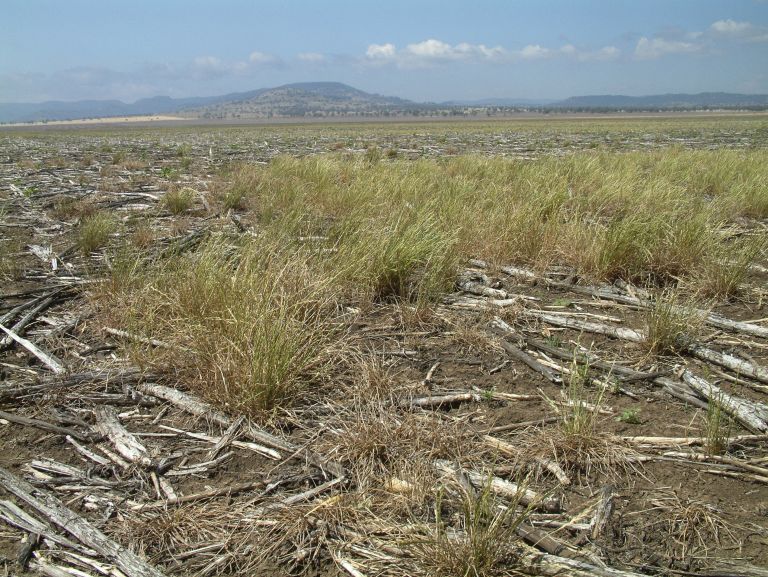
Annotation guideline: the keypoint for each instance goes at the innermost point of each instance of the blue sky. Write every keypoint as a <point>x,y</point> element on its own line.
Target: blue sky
<point>417,49</point>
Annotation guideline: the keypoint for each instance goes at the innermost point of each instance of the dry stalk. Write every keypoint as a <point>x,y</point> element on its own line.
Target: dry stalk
<point>694,527</point>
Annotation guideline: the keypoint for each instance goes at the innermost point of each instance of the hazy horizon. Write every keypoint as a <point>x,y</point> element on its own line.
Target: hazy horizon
<point>422,51</point>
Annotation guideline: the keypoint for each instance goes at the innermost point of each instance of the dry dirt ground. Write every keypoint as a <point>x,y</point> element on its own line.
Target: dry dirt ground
<point>471,390</point>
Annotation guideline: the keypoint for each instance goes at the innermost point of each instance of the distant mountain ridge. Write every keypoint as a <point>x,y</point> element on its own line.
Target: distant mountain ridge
<point>328,99</point>
<point>702,99</point>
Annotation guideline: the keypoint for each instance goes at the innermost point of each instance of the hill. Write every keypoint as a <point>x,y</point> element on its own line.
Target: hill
<point>301,99</point>
<point>304,99</point>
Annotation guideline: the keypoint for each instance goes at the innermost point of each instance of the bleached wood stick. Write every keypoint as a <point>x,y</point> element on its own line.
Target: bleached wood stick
<point>42,425</point>
<point>435,401</point>
<point>522,356</point>
<point>722,322</point>
<point>752,415</point>
<point>501,486</point>
<point>47,359</point>
<point>509,450</point>
<point>199,408</point>
<point>229,435</point>
<point>139,339</point>
<point>480,289</point>
<point>712,319</point>
<point>740,366</point>
<point>27,318</point>
<point>622,333</point>
<point>108,424</point>
<point>14,515</point>
<point>98,459</point>
<point>602,511</point>
<point>49,506</point>
<point>736,364</point>
<point>556,566</point>
<point>210,493</point>
<point>718,459</point>
<point>266,451</point>
<point>687,441</point>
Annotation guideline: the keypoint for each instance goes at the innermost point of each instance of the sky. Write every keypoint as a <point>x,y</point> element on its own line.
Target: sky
<point>424,50</point>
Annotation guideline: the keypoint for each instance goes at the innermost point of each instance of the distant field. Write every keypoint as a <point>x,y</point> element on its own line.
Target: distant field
<point>407,348</point>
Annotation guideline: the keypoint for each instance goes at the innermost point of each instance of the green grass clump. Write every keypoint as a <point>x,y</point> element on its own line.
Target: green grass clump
<point>672,325</point>
<point>723,274</point>
<point>580,414</point>
<point>408,257</point>
<point>94,231</point>
<point>481,543</point>
<point>629,416</point>
<point>179,200</point>
<point>250,326</point>
<point>10,259</point>
<point>717,427</point>
<point>362,229</point>
<point>651,217</point>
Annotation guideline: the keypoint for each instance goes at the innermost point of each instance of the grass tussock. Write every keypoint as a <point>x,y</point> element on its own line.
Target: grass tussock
<point>578,445</point>
<point>94,231</point>
<point>480,538</point>
<point>717,427</point>
<point>10,257</point>
<point>251,326</point>
<point>179,200</point>
<point>647,217</point>
<point>390,450</point>
<point>727,268</point>
<point>164,535</point>
<point>672,324</point>
<point>253,320</point>
<point>68,207</point>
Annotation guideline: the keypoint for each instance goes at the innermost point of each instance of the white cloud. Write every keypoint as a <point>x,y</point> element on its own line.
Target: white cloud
<point>431,49</point>
<point>681,42</point>
<point>745,31</point>
<point>730,27</point>
<point>209,67</point>
<point>432,52</point>
<point>437,50</point>
<point>605,53</point>
<point>259,58</point>
<point>210,62</point>
<point>649,49</point>
<point>380,51</point>
<point>312,57</point>
<point>213,67</point>
<point>535,52</point>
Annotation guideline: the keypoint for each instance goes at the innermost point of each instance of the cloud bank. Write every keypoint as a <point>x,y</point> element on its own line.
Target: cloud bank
<point>433,52</point>
<point>715,36</point>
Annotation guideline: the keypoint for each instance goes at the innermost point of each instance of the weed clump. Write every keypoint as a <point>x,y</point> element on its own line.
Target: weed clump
<point>251,328</point>
<point>717,427</point>
<point>672,326</point>
<point>481,543</point>
<point>179,200</point>
<point>94,231</point>
<point>725,272</point>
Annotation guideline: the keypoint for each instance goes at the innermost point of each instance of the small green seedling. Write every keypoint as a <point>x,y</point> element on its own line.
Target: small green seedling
<point>629,416</point>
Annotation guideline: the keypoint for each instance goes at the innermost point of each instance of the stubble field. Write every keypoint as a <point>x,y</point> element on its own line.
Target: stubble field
<point>529,347</point>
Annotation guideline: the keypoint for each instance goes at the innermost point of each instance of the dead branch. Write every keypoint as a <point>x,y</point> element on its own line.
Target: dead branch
<point>50,507</point>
